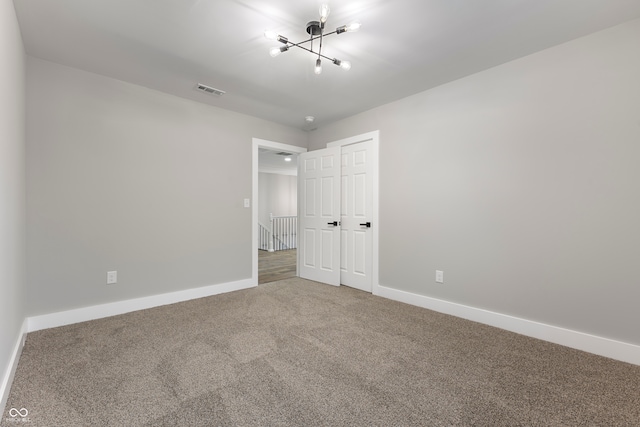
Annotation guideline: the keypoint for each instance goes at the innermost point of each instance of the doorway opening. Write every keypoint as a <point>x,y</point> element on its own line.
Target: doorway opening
<point>274,211</point>
<point>369,226</point>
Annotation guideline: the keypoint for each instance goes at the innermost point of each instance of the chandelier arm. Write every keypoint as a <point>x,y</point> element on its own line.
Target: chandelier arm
<point>290,43</point>
<point>315,53</point>
<point>321,35</point>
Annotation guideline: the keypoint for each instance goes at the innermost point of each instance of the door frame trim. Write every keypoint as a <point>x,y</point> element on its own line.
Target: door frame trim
<point>256,144</point>
<point>374,137</point>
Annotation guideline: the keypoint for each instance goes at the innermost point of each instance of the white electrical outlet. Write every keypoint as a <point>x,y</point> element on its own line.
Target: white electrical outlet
<point>439,276</point>
<point>247,203</point>
<point>112,277</point>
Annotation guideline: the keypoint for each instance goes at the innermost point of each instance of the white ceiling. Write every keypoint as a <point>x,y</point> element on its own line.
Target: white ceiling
<point>404,46</point>
<point>272,161</point>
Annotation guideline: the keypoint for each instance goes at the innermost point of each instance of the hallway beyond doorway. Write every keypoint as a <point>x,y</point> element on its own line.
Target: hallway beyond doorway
<point>278,265</point>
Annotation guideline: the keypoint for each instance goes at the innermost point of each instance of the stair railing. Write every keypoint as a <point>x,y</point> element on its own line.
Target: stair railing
<point>280,235</point>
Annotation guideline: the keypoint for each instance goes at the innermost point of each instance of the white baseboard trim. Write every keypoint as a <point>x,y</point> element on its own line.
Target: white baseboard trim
<point>62,318</point>
<point>7,380</point>
<point>606,347</point>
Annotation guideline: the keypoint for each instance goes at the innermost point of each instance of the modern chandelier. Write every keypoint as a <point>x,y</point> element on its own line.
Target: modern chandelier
<point>316,30</point>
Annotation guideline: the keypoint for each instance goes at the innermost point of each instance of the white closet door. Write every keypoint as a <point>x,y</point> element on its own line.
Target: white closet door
<point>319,215</point>
<point>356,212</point>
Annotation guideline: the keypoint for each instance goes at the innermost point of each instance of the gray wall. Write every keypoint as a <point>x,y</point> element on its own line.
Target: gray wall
<point>120,177</point>
<point>277,194</point>
<point>12,183</point>
<point>522,183</point>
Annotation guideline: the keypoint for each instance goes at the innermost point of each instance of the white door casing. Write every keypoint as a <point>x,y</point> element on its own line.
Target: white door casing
<point>319,215</point>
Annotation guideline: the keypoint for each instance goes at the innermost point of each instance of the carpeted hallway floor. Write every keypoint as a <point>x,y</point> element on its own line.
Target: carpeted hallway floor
<point>298,353</point>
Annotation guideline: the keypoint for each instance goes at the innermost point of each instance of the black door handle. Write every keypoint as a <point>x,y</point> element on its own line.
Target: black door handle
<point>334,223</point>
<point>366,224</point>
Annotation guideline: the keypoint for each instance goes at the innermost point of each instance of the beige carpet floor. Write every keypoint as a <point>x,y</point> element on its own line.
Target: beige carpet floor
<point>298,353</point>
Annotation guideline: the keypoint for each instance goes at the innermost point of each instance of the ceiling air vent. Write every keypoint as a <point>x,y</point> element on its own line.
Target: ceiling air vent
<point>209,89</point>
<point>283,153</point>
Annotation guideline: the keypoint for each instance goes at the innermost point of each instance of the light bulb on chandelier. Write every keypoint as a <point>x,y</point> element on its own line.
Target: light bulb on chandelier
<point>324,13</point>
<point>275,51</point>
<point>315,29</point>
<point>351,28</point>
<point>346,65</point>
